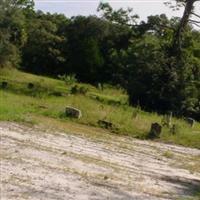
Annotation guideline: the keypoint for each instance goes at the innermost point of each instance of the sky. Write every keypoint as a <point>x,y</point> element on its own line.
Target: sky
<point>70,8</point>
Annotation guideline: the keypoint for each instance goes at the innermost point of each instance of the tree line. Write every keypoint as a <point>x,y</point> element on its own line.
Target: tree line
<point>157,61</point>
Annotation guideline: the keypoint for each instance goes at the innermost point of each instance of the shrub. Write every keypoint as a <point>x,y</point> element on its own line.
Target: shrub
<point>68,79</point>
<point>4,84</point>
<point>30,85</point>
<point>83,90</point>
<point>57,94</point>
<point>74,89</point>
<point>79,90</point>
<point>168,154</point>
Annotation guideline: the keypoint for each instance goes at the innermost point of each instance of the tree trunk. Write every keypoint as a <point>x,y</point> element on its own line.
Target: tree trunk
<point>176,44</point>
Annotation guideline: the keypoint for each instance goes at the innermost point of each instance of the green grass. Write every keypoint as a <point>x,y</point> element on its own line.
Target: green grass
<point>168,154</point>
<point>18,103</point>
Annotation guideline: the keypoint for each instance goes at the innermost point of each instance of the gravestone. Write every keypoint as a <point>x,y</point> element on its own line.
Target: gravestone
<point>190,121</point>
<point>73,112</point>
<point>155,131</point>
<point>167,120</point>
<point>174,129</point>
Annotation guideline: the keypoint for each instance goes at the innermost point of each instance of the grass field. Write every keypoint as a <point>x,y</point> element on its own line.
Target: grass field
<point>49,97</point>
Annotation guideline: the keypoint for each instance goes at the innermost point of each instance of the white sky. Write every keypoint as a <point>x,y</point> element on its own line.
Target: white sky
<point>70,8</point>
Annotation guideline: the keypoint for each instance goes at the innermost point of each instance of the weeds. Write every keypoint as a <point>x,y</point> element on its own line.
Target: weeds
<point>49,97</point>
<point>168,154</point>
<point>68,79</point>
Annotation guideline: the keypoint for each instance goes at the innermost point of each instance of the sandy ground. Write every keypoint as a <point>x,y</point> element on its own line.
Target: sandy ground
<point>38,164</point>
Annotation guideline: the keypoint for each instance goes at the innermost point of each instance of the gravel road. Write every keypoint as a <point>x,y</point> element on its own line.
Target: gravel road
<point>51,165</point>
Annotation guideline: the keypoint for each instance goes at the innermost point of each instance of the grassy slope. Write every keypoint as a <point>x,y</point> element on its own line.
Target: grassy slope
<point>18,103</point>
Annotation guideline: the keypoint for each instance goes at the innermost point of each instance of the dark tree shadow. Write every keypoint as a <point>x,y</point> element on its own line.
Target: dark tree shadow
<point>189,186</point>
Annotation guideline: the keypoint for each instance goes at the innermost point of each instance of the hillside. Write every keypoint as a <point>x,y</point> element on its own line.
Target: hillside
<point>36,99</point>
<point>45,154</point>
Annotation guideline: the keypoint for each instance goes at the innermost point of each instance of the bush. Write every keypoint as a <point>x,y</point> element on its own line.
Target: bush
<point>4,85</point>
<point>79,90</point>
<point>68,79</point>
<point>83,90</point>
<point>30,85</point>
<point>57,93</point>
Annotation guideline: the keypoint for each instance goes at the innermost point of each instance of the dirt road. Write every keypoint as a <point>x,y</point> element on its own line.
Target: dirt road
<point>38,164</point>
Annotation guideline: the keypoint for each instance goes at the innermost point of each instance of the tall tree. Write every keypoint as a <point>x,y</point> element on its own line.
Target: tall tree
<point>42,53</point>
<point>12,30</point>
<point>189,12</point>
<point>85,37</point>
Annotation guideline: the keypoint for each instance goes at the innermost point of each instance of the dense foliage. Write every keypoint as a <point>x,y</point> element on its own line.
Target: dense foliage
<point>113,48</point>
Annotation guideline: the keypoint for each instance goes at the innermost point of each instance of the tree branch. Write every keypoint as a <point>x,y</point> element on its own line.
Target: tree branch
<point>196,25</point>
<point>194,21</point>
<point>195,14</point>
<point>165,26</point>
